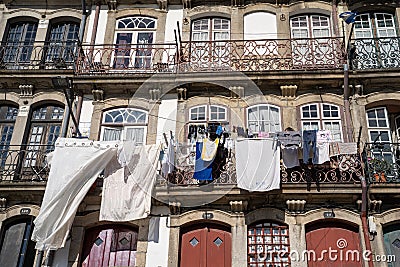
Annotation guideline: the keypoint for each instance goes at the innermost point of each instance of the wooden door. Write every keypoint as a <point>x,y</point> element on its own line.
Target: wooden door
<point>342,242</point>
<point>206,247</point>
<point>105,247</point>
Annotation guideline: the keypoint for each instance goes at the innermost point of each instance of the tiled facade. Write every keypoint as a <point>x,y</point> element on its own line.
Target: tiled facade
<point>179,63</point>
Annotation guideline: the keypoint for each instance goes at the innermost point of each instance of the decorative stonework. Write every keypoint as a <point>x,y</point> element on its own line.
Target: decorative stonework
<point>175,208</point>
<point>238,206</point>
<point>296,206</point>
<point>289,91</point>
<point>375,206</point>
<point>186,3</point>
<point>236,91</point>
<point>98,95</point>
<point>182,93</point>
<point>26,90</point>
<point>155,94</point>
<point>3,203</point>
<point>112,5</point>
<point>162,4</point>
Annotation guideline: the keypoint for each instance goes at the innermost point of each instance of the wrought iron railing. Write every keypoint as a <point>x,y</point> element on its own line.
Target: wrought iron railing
<point>375,53</point>
<point>224,169</point>
<point>382,162</point>
<point>263,55</point>
<point>26,163</point>
<point>126,58</point>
<point>340,169</point>
<point>38,55</point>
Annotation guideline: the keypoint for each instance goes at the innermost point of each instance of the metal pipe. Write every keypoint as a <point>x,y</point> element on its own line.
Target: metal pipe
<point>334,18</point>
<point>64,129</point>
<point>364,200</point>
<point>39,258</point>
<point>346,93</point>
<point>78,112</point>
<point>95,23</point>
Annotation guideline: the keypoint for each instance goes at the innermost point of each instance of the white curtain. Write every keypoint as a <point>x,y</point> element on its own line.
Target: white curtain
<point>75,165</point>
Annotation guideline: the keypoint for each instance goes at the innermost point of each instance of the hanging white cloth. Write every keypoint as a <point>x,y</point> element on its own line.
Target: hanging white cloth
<point>209,149</point>
<point>127,190</point>
<point>257,164</point>
<point>168,160</point>
<point>75,166</point>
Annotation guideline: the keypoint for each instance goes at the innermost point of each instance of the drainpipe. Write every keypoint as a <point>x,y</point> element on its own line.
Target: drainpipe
<point>364,203</point>
<point>39,258</point>
<point>346,93</point>
<point>334,18</point>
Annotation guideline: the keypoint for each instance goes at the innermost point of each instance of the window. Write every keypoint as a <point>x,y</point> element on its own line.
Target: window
<point>19,43</point>
<point>322,117</point>
<point>124,124</point>
<point>133,39</point>
<point>312,33</point>
<point>263,118</point>
<point>62,40</point>
<point>268,245</point>
<point>206,54</point>
<point>17,248</point>
<point>8,115</point>
<point>44,130</point>
<point>376,43</point>
<point>208,113</point>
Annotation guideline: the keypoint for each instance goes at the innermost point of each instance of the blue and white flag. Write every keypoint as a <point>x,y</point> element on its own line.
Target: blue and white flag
<point>348,16</point>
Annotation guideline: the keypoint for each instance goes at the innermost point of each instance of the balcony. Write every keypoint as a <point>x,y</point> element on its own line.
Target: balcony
<point>375,53</point>
<point>382,163</point>
<point>39,55</point>
<point>197,56</point>
<point>342,169</point>
<point>26,163</point>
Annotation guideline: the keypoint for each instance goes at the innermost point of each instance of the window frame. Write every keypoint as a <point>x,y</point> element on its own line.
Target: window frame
<point>208,112</point>
<point>210,28</point>
<point>378,128</point>
<point>310,27</point>
<point>258,120</point>
<point>321,119</point>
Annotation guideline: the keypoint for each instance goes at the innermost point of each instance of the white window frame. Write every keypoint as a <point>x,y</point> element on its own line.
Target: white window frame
<point>198,107</point>
<point>134,31</point>
<point>207,116</point>
<point>378,128</point>
<point>269,113</point>
<point>321,119</point>
<point>124,126</point>
<point>218,113</point>
<point>210,29</point>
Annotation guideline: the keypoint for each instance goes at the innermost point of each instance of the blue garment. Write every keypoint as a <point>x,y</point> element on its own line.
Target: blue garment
<point>202,169</point>
<point>309,141</point>
<point>219,130</point>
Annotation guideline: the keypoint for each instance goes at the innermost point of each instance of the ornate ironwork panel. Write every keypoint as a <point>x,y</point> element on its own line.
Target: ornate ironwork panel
<point>382,162</point>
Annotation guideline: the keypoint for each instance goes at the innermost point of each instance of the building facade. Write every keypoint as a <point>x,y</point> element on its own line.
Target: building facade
<point>156,68</point>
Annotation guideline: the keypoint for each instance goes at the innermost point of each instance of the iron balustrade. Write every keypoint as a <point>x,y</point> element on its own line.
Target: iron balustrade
<point>382,162</point>
<point>39,55</point>
<point>375,53</point>
<point>27,163</point>
<point>126,58</point>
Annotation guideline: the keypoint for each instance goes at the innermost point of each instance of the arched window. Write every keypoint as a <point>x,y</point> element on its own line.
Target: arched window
<point>62,41</point>
<point>124,124</point>
<point>321,116</point>
<point>310,26</point>
<point>19,41</point>
<point>45,128</point>
<point>8,115</point>
<point>204,113</point>
<point>263,118</point>
<point>133,39</point>
<point>17,248</point>
<point>268,244</point>
<point>211,29</point>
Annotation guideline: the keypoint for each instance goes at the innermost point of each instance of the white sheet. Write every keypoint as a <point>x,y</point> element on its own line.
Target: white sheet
<point>257,164</point>
<point>127,190</point>
<point>75,166</point>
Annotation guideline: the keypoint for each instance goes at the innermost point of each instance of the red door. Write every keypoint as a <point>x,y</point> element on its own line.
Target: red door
<point>113,246</point>
<point>206,247</point>
<point>334,246</point>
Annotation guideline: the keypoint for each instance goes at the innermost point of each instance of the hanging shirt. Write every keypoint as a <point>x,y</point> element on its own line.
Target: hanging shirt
<point>209,149</point>
<point>202,169</point>
<point>322,147</point>
<point>290,156</point>
<point>257,164</point>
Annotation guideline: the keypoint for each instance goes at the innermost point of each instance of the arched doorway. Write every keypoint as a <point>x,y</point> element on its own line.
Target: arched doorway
<point>110,246</point>
<point>206,246</point>
<point>333,244</point>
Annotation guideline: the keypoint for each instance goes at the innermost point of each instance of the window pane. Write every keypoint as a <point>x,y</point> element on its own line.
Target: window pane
<point>110,134</point>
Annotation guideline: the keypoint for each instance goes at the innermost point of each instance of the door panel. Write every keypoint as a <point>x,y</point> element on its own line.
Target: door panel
<point>109,247</point>
<point>206,247</point>
<point>322,240</point>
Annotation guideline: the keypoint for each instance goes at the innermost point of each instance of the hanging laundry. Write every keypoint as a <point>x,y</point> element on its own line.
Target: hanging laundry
<point>290,157</point>
<point>127,188</point>
<point>209,149</point>
<point>202,169</point>
<point>324,137</point>
<point>290,142</point>
<point>309,143</point>
<point>67,185</point>
<point>289,138</point>
<point>219,130</point>
<point>168,160</point>
<point>257,164</point>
